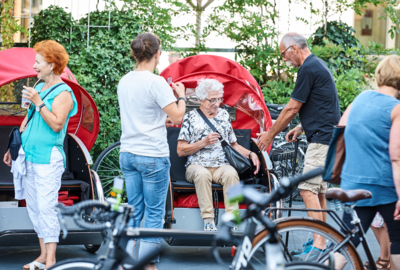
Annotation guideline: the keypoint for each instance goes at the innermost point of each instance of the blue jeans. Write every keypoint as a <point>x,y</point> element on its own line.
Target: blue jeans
<point>146,180</point>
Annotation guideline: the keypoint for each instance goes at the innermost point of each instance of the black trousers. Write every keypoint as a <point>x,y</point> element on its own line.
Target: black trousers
<point>367,214</point>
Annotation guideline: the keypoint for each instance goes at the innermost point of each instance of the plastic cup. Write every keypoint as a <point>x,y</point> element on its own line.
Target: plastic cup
<point>25,103</point>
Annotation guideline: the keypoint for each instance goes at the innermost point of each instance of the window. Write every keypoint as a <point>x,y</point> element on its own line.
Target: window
<point>369,26</point>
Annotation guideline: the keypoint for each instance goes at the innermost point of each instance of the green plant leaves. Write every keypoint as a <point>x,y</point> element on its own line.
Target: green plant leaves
<point>100,67</point>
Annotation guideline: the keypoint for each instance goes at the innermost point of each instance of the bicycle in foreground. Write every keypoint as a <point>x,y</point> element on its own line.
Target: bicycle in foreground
<point>113,217</point>
<point>289,240</point>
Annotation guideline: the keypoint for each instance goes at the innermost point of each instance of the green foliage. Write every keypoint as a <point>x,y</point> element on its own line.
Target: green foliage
<point>338,33</point>
<point>52,23</point>
<point>278,91</point>
<point>8,25</point>
<point>349,84</point>
<point>250,25</point>
<point>99,67</point>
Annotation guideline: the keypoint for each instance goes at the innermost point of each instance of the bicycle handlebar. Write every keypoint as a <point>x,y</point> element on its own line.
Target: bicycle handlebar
<point>278,107</point>
<point>75,212</point>
<point>286,184</point>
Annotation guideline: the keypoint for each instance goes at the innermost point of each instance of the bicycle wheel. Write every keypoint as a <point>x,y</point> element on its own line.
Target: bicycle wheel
<point>75,264</point>
<point>107,167</point>
<point>296,232</point>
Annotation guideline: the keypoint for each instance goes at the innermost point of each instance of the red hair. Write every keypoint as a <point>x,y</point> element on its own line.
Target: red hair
<point>53,52</point>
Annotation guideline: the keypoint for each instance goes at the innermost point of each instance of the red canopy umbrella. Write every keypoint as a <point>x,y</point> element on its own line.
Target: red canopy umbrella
<point>205,62</point>
<point>17,63</point>
<point>241,90</point>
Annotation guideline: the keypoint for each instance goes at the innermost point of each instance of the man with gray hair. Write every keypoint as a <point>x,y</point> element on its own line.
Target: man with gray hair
<point>315,99</point>
<point>206,161</point>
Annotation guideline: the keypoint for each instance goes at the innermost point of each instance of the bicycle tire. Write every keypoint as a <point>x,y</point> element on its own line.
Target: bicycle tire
<point>75,264</point>
<point>296,225</point>
<point>107,167</point>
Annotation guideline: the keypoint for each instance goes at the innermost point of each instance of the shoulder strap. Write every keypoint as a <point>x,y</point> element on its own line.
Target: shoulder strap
<point>54,88</point>
<point>206,120</point>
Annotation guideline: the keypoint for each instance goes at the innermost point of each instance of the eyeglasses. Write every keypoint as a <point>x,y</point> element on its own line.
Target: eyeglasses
<point>215,100</point>
<point>283,53</point>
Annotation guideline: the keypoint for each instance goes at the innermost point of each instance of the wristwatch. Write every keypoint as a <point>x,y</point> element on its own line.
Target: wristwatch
<point>40,107</point>
<point>184,99</point>
<point>299,125</point>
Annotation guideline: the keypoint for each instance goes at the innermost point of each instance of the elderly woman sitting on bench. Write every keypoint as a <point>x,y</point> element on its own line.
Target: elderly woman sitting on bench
<point>206,158</point>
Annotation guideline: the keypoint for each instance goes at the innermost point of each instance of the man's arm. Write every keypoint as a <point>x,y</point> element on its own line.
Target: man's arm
<point>287,115</point>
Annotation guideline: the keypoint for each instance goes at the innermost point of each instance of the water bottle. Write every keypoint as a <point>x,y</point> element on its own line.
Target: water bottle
<point>118,190</point>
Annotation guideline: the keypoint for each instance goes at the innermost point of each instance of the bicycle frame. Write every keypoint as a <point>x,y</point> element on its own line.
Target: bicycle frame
<point>240,259</point>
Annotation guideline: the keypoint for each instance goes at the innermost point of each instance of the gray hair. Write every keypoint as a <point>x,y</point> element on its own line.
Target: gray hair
<point>208,85</point>
<point>294,39</point>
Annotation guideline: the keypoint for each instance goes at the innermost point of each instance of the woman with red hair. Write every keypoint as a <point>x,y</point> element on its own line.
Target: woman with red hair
<point>53,103</point>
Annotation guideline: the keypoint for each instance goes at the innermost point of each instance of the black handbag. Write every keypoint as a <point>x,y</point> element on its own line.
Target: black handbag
<point>14,139</point>
<point>235,159</point>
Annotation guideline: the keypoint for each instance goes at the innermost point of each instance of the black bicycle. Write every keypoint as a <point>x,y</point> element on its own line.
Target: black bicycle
<point>112,219</point>
<point>289,240</point>
<point>274,251</point>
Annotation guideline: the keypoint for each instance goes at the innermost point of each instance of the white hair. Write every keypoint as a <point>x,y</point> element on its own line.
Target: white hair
<point>294,39</point>
<point>208,85</point>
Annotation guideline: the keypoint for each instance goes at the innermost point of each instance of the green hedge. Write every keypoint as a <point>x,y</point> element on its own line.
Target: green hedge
<point>99,68</point>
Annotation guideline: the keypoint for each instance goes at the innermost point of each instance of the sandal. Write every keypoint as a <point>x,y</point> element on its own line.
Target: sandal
<point>35,266</point>
<point>383,264</point>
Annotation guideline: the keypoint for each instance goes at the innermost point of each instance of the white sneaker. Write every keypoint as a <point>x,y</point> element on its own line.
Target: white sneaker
<point>210,227</point>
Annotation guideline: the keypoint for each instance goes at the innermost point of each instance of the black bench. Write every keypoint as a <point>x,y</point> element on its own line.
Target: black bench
<point>178,168</point>
<point>178,181</point>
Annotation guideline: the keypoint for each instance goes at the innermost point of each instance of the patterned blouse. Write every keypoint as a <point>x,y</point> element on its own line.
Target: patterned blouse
<point>194,129</point>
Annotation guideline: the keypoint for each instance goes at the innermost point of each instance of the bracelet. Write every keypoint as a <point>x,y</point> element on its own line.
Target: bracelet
<point>299,125</point>
<point>181,98</point>
<point>250,154</point>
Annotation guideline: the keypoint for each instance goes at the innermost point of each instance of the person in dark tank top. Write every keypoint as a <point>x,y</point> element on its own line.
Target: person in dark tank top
<point>315,99</point>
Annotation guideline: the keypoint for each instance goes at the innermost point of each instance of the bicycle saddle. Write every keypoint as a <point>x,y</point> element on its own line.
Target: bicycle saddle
<point>347,195</point>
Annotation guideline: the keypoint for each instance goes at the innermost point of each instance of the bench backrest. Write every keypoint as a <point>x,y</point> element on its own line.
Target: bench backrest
<point>178,163</point>
<point>75,160</point>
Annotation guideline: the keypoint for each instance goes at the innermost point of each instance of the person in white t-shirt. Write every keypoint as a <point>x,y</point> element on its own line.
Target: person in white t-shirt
<point>145,101</point>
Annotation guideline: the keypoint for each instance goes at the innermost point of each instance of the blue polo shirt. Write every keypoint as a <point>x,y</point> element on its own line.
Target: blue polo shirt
<point>39,139</point>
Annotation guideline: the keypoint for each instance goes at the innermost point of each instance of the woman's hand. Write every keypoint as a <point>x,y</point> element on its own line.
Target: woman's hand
<point>397,211</point>
<point>168,123</point>
<point>211,138</point>
<point>179,88</point>
<point>7,158</point>
<point>256,162</point>
<point>33,95</point>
